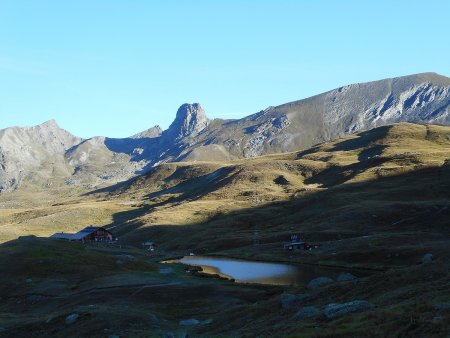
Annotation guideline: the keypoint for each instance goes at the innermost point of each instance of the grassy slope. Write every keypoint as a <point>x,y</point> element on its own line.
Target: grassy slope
<point>378,200</point>
<point>368,193</point>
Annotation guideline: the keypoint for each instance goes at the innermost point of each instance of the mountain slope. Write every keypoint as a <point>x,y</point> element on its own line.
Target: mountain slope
<point>35,154</point>
<point>50,152</point>
<point>361,198</point>
<point>422,98</point>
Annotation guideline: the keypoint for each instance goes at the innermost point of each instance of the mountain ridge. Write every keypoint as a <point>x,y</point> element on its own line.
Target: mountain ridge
<point>296,125</point>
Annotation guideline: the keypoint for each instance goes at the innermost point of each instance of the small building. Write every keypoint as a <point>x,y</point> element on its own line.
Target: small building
<point>88,234</point>
<point>296,246</point>
<point>149,246</point>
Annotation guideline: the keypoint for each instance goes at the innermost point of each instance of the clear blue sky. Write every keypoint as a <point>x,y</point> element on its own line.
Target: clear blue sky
<point>114,68</point>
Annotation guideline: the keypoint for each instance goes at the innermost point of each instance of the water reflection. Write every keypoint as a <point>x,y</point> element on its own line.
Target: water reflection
<point>259,272</point>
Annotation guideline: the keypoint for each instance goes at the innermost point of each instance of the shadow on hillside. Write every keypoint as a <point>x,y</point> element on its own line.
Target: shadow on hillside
<point>195,188</point>
<point>363,140</point>
<point>416,201</point>
<point>335,175</point>
<point>367,158</point>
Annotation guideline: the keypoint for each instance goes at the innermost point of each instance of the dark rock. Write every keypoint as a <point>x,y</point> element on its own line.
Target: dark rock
<point>189,322</point>
<point>307,312</point>
<point>346,277</point>
<point>72,318</point>
<point>320,281</point>
<point>336,310</point>
<point>281,180</point>
<point>427,258</point>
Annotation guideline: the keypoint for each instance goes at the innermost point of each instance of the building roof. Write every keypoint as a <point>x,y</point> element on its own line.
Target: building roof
<point>78,236</point>
<point>61,235</point>
<point>90,229</point>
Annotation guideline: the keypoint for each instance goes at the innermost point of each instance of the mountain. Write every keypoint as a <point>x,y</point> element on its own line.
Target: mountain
<point>34,154</point>
<point>47,155</point>
<point>422,98</point>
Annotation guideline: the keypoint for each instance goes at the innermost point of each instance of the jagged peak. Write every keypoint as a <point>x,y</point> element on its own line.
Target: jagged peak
<point>190,120</point>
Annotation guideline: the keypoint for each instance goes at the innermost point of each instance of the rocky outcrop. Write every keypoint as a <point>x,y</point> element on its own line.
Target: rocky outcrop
<point>307,312</point>
<point>319,282</point>
<point>427,258</point>
<point>189,121</point>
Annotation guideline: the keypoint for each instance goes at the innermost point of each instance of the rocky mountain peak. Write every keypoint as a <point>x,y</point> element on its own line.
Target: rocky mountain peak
<point>153,132</point>
<point>190,120</point>
<point>50,124</point>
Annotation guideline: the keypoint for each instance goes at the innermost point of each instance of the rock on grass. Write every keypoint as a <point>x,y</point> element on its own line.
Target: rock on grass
<point>72,318</point>
<point>189,322</point>
<point>346,277</point>
<point>337,310</point>
<point>307,312</point>
<point>318,282</point>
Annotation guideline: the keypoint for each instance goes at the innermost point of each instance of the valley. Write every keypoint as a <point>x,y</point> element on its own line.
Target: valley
<point>375,202</point>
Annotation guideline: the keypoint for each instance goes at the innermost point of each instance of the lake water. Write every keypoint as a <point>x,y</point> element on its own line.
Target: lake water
<point>260,272</point>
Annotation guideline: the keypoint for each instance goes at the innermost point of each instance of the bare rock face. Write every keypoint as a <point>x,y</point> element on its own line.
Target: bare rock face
<point>37,151</point>
<point>190,120</point>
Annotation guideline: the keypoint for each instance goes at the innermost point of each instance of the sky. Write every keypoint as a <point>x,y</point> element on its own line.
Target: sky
<point>115,68</point>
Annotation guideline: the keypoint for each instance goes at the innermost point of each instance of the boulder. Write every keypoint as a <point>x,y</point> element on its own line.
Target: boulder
<point>72,318</point>
<point>427,258</point>
<point>320,281</point>
<point>346,277</point>
<point>307,312</point>
<point>189,322</point>
<point>337,310</point>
